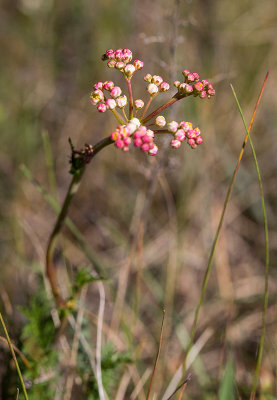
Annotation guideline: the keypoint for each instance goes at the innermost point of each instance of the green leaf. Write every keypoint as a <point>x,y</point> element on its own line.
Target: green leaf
<point>226,390</point>
<point>84,276</point>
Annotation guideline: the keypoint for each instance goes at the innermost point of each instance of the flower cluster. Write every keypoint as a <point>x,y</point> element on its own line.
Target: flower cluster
<point>193,86</point>
<point>156,84</point>
<point>182,131</point>
<point>134,125</point>
<point>120,59</point>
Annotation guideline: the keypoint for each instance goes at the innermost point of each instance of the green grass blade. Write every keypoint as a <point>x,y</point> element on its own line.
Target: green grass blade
<point>210,261</point>
<point>261,344</point>
<point>14,356</point>
<point>226,390</point>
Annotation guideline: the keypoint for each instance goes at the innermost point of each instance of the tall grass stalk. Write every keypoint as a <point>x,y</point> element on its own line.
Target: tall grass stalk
<point>211,257</point>
<point>261,344</point>
<point>14,357</point>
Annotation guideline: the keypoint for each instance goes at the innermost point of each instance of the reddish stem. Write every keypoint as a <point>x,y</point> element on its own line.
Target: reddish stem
<point>130,98</point>
<point>161,108</point>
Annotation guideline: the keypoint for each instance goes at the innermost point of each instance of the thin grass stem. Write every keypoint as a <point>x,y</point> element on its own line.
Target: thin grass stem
<point>157,358</point>
<point>265,306</point>
<point>210,261</point>
<point>14,357</point>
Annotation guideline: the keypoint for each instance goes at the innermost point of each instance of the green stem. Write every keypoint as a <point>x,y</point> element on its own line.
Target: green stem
<point>72,190</point>
<point>14,357</point>
<point>264,317</point>
<point>118,117</point>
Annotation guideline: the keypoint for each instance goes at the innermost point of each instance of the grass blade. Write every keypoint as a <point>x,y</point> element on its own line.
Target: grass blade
<point>14,357</point>
<point>227,199</point>
<point>261,344</point>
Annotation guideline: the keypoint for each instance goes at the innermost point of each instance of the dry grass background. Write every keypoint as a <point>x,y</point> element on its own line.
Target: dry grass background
<point>151,222</point>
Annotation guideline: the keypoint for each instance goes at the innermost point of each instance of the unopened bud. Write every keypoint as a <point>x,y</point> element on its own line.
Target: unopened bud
<point>138,64</point>
<point>160,121</point>
<point>121,101</point>
<point>152,89</point>
<point>139,104</point>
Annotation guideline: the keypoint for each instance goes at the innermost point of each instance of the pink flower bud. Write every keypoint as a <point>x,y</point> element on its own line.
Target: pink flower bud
<point>114,136</point>
<point>102,107</point>
<point>190,78</point>
<point>186,126</point>
<point>196,76</point>
<point>175,143</point>
<point>137,142</point>
<point>177,84</point>
<point>139,104</point>
<point>164,87</point>
<point>152,89</point>
<point>108,85</point>
<point>153,151</point>
<point>98,86</point>
<point>157,80</point>
<point>199,140</point>
<point>119,65</point>
<point>127,55</point>
<point>148,78</point>
<point>110,103</point>
<point>115,92</point>
<point>110,54</point>
<point>146,139</point>
<point>119,143</point>
<point>140,132</point>
<point>160,121</point>
<point>180,135</point>
<point>205,82</point>
<point>97,96</point>
<point>150,133</point>
<point>203,94</point>
<point>145,147</point>
<point>185,88</point>
<point>186,72</point>
<point>197,132</point>
<point>198,86</point>
<point>129,70</point>
<point>135,122</point>
<point>138,64</point>
<point>125,148</point>
<point>210,91</point>
<point>190,134</point>
<point>121,101</point>
<point>191,142</point>
<point>118,54</point>
<point>111,64</point>
<point>127,141</point>
<point>173,126</point>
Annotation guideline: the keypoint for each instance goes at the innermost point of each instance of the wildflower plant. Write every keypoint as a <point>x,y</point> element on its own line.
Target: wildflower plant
<point>134,124</point>
<point>133,127</point>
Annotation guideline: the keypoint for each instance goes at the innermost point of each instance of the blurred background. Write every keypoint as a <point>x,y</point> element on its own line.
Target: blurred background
<point>149,221</point>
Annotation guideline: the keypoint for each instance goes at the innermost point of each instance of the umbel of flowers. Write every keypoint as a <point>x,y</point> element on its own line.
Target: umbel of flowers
<point>134,123</point>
